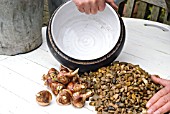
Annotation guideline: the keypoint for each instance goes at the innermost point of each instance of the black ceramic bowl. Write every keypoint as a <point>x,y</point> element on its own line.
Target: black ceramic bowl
<point>82,41</point>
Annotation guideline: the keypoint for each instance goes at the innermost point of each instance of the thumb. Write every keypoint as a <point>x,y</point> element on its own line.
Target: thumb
<point>161,81</point>
<point>112,4</point>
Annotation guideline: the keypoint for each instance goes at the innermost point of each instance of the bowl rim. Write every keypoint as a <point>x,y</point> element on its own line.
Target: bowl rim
<point>113,38</point>
<point>84,62</point>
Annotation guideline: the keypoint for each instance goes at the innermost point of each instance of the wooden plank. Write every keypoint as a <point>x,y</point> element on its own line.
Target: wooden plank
<point>45,7</point>
<point>141,10</point>
<point>130,8</point>
<point>155,13</point>
<point>160,3</point>
<point>45,13</point>
<point>167,18</point>
<point>168,5</point>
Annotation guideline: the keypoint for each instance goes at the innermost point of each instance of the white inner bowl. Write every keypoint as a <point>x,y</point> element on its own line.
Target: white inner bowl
<point>85,37</point>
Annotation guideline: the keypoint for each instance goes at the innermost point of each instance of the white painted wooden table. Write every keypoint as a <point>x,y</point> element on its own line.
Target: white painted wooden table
<point>20,76</point>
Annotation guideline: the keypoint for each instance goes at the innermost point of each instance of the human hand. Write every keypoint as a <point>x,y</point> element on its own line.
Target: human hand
<point>112,3</point>
<point>93,6</point>
<point>160,102</point>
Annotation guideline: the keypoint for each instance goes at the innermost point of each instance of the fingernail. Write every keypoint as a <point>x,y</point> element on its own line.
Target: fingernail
<point>149,111</point>
<point>157,112</point>
<point>148,105</point>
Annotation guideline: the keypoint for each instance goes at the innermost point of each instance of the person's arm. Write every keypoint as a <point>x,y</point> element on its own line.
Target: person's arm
<point>160,102</point>
<point>93,6</point>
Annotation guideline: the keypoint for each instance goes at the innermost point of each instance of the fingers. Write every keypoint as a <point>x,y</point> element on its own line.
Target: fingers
<point>163,109</point>
<point>160,102</point>
<point>101,5</point>
<point>87,8</point>
<point>93,7</point>
<point>161,81</point>
<point>80,5</point>
<point>90,6</point>
<point>159,106</point>
<point>157,96</point>
<point>81,10</point>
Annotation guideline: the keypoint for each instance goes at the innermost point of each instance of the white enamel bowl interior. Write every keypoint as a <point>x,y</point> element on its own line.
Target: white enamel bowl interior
<point>85,37</point>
